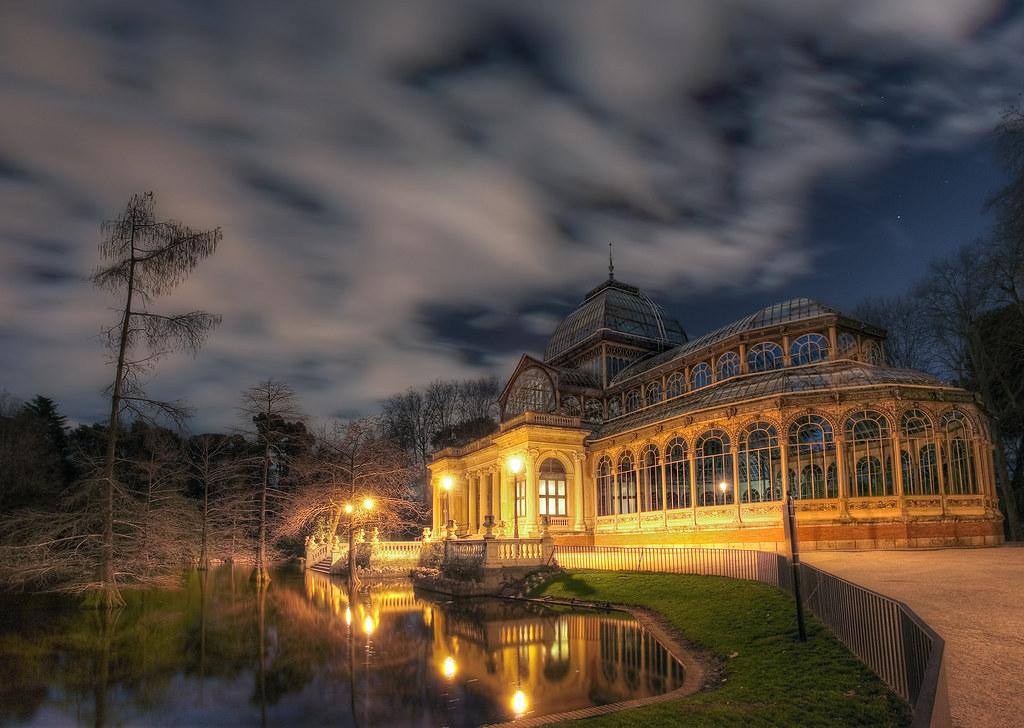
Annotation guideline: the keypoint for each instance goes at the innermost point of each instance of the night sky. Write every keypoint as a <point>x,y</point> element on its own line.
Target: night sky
<point>412,189</point>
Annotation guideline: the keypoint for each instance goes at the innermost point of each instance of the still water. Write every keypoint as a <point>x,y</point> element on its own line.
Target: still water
<point>222,653</point>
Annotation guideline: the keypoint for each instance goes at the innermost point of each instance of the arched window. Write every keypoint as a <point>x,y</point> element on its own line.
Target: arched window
<point>653,393</point>
<point>626,483</point>
<point>614,406</point>
<point>958,461</point>
<point>728,366</point>
<point>532,392</point>
<point>847,345</point>
<point>808,348</point>
<point>713,466</point>
<point>677,475</point>
<point>650,479</point>
<point>571,405</point>
<point>869,452</point>
<point>633,400</point>
<point>700,376</point>
<point>812,454</point>
<point>918,459</point>
<point>872,354</point>
<point>675,385</point>
<point>551,488</point>
<point>764,357</point>
<point>605,487</point>
<point>593,411</point>
<point>759,458</point>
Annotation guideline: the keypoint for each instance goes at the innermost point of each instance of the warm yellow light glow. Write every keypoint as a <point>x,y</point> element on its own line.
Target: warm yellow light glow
<point>447,483</point>
<point>515,465</point>
<point>368,625</point>
<point>449,666</point>
<point>348,616</point>
<point>368,503</point>
<point>723,485</point>
<point>348,508</point>
<point>519,702</point>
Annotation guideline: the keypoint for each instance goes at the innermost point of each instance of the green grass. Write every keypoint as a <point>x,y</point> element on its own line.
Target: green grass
<point>766,676</point>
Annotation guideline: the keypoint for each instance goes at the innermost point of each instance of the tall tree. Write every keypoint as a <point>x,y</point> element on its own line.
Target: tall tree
<point>908,345</point>
<point>272,413</point>
<point>145,258</point>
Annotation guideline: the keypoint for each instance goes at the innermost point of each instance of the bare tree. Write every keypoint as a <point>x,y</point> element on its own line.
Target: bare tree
<point>909,345</point>
<point>271,410</point>
<point>146,258</point>
<point>216,464</point>
<point>350,462</point>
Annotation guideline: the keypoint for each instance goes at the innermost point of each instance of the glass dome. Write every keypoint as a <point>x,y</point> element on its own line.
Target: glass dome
<point>618,312</point>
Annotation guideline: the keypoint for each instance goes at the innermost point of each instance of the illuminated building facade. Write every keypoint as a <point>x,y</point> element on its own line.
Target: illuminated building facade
<point>627,432</point>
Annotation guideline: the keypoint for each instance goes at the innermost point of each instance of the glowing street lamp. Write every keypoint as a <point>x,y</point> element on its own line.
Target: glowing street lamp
<point>449,667</point>
<point>722,487</point>
<point>368,505</point>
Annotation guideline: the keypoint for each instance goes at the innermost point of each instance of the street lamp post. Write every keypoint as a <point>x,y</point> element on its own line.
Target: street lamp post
<point>368,506</point>
<point>446,483</point>
<point>795,561</point>
<point>722,486</point>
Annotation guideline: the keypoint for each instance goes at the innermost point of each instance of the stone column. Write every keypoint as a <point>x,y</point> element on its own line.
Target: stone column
<point>578,459</point>
<point>532,494</point>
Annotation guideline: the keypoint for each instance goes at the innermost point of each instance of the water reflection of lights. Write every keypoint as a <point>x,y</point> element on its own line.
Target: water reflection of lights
<point>348,616</point>
<point>449,666</point>
<point>368,625</point>
<point>519,702</point>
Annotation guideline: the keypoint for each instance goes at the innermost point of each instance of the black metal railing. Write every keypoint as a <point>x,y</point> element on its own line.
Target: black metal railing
<point>882,632</point>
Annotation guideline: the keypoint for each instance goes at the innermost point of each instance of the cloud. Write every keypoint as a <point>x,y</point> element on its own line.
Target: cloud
<point>369,162</point>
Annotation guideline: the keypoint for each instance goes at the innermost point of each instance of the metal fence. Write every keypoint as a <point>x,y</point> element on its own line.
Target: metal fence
<point>884,633</point>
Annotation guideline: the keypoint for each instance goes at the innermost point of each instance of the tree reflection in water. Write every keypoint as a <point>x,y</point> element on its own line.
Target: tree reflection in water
<point>223,652</point>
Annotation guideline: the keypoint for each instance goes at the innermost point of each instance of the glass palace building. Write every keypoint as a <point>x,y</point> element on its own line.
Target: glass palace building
<point>627,432</point>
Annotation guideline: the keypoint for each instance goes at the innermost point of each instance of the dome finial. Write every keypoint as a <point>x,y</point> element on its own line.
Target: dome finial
<point>611,266</point>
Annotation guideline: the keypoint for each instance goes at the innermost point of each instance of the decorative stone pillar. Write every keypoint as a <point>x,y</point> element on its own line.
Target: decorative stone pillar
<point>488,527</point>
<point>450,529</point>
<point>579,459</point>
<point>532,493</point>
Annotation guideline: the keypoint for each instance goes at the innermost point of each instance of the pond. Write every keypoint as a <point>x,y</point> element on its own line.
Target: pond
<point>222,653</point>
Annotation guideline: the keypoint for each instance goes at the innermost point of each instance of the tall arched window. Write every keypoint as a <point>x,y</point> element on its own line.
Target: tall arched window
<point>653,393</point>
<point>677,475</point>
<point>551,488</point>
<point>812,458</point>
<point>605,487</point>
<point>869,453</point>
<point>958,461</point>
<point>700,376</point>
<point>712,461</point>
<point>626,483</point>
<point>759,459</point>
<point>614,406</point>
<point>764,357</point>
<point>592,410</point>
<point>650,479</point>
<point>675,385</point>
<point>872,354</point>
<point>571,405</point>
<point>808,348</point>
<point>847,345</point>
<point>633,400</point>
<point>532,392</point>
<point>728,366</point>
<point>918,459</point>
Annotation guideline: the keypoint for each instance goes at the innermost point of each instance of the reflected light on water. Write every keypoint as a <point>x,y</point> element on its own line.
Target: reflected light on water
<point>519,702</point>
<point>368,625</point>
<point>449,666</point>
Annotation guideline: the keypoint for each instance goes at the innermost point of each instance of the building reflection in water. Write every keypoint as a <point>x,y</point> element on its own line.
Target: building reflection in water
<point>486,660</point>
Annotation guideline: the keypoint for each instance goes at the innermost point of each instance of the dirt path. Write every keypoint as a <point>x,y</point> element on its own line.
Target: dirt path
<point>974,599</point>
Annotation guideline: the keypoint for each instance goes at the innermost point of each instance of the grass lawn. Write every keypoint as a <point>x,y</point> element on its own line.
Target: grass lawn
<point>766,676</point>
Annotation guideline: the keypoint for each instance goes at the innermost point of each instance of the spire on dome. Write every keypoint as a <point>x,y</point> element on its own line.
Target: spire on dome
<point>611,265</point>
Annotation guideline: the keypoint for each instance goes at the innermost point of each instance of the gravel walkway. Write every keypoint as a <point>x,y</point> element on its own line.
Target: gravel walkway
<point>974,599</point>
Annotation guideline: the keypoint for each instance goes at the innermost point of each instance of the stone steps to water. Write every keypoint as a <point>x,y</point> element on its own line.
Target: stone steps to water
<point>323,566</point>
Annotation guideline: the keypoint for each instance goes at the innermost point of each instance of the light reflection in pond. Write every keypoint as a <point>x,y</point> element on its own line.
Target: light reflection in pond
<point>221,653</point>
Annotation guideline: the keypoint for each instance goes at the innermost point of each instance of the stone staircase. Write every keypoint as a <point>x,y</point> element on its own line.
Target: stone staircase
<point>323,566</point>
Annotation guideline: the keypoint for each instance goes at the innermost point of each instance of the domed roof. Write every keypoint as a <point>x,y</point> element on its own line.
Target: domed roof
<point>618,312</point>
